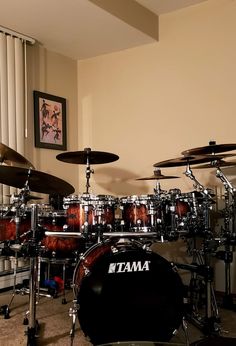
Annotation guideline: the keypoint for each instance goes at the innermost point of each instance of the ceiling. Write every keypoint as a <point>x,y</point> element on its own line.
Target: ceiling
<point>82,29</point>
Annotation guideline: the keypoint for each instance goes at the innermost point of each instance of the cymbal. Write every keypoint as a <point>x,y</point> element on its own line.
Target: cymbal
<point>37,181</point>
<point>184,160</point>
<point>219,163</point>
<point>27,197</point>
<point>12,158</point>
<point>210,149</point>
<point>158,176</point>
<point>87,156</point>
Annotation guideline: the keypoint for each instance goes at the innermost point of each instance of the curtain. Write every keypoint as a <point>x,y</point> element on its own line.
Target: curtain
<point>12,98</point>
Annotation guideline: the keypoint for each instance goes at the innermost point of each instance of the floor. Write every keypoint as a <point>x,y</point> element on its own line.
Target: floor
<point>55,323</point>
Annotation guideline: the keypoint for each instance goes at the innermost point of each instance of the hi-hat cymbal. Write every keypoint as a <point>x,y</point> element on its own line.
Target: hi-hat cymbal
<point>158,176</point>
<point>185,160</point>
<point>210,149</point>
<point>219,163</point>
<point>12,158</point>
<point>37,181</point>
<point>27,197</point>
<point>87,156</point>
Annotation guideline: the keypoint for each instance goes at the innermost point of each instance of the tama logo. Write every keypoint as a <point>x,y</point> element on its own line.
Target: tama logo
<point>122,267</point>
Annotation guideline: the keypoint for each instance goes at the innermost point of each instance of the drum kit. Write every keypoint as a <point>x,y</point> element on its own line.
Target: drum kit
<point>116,271</point>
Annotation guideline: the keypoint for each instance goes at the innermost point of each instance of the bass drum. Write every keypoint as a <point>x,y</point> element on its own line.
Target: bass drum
<point>127,293</point>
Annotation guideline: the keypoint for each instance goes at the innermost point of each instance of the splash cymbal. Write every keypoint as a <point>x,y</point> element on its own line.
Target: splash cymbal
<point>210,149</point>
<point>11,158</point>
<point>37,181</point>
<point>87,156</point>
<point>158,176</point>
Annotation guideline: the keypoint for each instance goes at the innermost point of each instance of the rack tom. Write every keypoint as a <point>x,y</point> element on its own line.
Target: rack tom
<point>91,211</point>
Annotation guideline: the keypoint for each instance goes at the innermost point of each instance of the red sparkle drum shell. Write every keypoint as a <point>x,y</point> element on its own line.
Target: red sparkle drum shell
<point>8,224</point>
<point>93,209</point>
<point>139,211</point>
<point>127,293</point>
<point>59,247</point>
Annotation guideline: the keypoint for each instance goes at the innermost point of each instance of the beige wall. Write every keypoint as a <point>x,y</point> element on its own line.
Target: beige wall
<point>146,104</point>
<point>150,103</point>
<point>57,75</point>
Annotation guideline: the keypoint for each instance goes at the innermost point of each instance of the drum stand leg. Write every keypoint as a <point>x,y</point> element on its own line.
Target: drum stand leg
<point>185,330</point>
<point>33,252</point>
<point>73,313</point>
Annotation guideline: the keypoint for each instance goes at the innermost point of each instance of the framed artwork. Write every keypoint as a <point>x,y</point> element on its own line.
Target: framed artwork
<point>49,121</point>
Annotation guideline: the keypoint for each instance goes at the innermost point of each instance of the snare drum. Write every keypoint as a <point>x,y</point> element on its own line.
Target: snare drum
<point>139,212</point>
<point>138,292</point>
<point>90,210</point>
<point>56,247</point>
<point>8,221</point>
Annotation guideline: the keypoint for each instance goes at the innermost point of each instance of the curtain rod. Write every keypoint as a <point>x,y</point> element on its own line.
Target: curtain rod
<point>17,34</point>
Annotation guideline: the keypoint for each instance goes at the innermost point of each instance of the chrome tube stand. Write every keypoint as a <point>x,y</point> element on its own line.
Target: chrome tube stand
<point>33,253</point>
<point>209,324</point>
<point>229,234</point>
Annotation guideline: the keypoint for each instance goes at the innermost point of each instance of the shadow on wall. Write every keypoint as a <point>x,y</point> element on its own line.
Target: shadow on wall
<point>120,182</point>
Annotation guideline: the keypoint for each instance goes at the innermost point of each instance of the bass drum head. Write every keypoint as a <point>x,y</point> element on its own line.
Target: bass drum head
<point>129,294</point>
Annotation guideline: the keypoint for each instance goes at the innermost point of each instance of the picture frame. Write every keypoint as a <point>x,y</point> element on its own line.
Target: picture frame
<point>49,121</point>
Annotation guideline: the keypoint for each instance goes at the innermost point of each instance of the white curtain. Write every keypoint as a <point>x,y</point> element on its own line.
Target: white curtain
<point>12,98</point>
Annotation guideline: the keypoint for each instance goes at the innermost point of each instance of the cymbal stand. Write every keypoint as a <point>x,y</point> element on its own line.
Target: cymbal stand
<point>33,253</point>
<point>88,169</point>
<point>229,235</point>
<point>160,219</point>
<point>210,325</point>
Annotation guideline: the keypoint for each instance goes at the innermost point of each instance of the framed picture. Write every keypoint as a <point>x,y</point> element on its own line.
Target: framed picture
<point>49,121</point>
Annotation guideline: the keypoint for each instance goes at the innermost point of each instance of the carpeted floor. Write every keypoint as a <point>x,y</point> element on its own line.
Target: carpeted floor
<point>55,324</point>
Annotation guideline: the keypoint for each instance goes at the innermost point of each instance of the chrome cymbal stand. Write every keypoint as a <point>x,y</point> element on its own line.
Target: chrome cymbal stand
<point>209,324</point>
<point>33,254</point>
<point>88,169</point>
<point>229,233</point>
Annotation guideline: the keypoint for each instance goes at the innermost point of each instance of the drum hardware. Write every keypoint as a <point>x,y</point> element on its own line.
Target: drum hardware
<point>105,234</point>
<point>12,158</point>
<point>201,290</point>
<point>228,233</point>
<point>33,248</point>
<point>87,157</point>
<point>158,176</point>
<point>15,245</point>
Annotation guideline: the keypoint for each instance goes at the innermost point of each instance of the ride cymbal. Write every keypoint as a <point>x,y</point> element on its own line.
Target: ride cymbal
<point>37,181</point>
<point>210,149</point>
<point>157,175</point>
<point>12,158</point>
<point>87,156</point>
<point>183,161</point>
<point>219,163</point>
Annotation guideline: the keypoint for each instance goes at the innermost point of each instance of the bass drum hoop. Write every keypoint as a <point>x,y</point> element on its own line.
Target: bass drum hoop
<point>145,305</point>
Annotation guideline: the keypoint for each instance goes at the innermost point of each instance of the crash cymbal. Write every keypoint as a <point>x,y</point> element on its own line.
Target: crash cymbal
<point>87,157</point>
<point>210,149</point>
<point>37,181</point>
<point>184,160</point>
<point>12,158</point>
<point>157,175</point>
<point>219,163</point>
